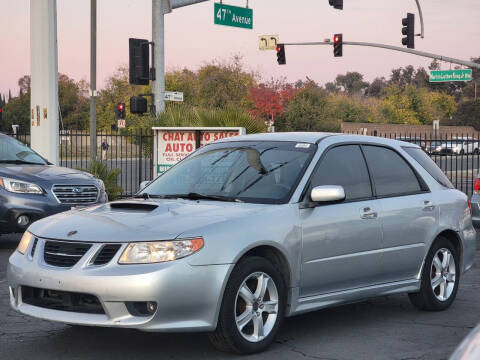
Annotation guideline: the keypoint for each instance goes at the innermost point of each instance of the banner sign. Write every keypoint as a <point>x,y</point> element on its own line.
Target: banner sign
<point>172,145</point>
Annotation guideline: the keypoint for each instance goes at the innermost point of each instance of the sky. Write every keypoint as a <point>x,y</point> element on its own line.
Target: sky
<point>452,28</point>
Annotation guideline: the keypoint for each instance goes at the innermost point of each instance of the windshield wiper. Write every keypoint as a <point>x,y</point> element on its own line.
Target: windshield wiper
<point>197,196</point>
<point>20,162</point>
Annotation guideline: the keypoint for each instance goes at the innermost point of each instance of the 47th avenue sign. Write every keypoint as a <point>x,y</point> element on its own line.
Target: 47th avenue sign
<point>450,75</point>
<point>233,16</point>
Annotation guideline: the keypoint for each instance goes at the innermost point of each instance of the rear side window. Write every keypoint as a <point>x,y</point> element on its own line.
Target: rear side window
<point>392,175</point>
<point>345,166</point>
<point>429,165</point>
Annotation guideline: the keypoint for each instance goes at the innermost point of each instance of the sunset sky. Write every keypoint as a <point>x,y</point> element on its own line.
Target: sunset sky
<point>452,29</point>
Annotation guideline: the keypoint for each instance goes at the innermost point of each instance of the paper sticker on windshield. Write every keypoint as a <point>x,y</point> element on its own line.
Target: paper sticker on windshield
<point>302,146</point>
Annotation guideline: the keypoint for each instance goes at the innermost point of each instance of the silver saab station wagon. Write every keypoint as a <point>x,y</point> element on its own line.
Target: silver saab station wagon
<point>247,231</point>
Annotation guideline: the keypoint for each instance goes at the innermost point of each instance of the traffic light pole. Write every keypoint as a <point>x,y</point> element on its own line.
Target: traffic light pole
<point>93,80</point>
<point>470,64</point>
<point>158,38</point>
<point>420,13</point>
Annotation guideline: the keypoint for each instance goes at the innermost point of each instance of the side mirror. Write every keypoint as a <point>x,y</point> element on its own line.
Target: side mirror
<point>144,184</point>
<point>327,193</point>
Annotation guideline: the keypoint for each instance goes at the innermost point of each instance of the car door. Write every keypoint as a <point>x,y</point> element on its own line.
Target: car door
<point>408,212</point>
<point>341,241</point>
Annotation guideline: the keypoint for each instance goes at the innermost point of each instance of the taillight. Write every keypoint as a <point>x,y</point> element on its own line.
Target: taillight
<point>476,187</point>
<point>470,205</point>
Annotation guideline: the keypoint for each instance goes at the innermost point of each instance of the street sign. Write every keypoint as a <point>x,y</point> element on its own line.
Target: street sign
<point>268,42</point>
<point>174,96</point>
<point>450,75</point>
<point>121,123</point>
<point>233,16</point>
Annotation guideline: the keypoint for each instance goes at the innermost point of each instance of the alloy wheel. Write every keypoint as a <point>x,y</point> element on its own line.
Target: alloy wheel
<point>256,307</point>
<point>443,274</point>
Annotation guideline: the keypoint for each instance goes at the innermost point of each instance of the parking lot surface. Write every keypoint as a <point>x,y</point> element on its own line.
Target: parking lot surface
<point>383,328</point>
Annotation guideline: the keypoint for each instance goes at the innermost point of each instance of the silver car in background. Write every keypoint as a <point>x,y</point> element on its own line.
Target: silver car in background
<point>246,231</point>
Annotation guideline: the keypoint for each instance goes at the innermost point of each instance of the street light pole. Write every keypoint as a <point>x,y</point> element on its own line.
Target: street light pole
<point>158,38</point>
<point>93,79</point>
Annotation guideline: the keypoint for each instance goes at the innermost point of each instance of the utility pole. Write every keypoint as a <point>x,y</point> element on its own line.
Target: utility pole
<point>44,107</point>
<point>93,79</point>
<point>158,38</point>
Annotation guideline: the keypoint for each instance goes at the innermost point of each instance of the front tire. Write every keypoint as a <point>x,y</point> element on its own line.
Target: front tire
<point>253,308</point>
<point>440,278</point>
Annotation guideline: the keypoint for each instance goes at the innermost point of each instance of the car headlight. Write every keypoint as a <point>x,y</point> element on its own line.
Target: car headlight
<point>101,184</point>
<point>20,187</point>
<point>24,242</point>
<point>159,251</point>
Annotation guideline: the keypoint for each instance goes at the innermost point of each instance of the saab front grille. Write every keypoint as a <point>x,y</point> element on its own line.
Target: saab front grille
<point>106,254</point>
<point>61,300</point>
<point>76,194</point>
<point>64,254</point>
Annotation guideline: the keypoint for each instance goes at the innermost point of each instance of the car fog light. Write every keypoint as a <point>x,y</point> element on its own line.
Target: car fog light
<point>141,308</point>
<point>23,220</point>
<point>151,307</point>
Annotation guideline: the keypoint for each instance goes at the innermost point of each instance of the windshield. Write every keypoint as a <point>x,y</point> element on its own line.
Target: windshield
<point>258,172</point>
<point>15,152</point>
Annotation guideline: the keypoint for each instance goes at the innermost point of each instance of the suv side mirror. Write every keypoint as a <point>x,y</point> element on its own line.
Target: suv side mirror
<point>327,193</point>
<point>144,184</point>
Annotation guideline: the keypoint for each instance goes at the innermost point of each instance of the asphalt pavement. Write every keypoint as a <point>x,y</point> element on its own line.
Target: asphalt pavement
<point>382,328</point>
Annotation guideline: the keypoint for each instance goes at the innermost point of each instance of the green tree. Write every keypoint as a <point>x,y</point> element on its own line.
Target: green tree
<point>309,110</point>
<point>351,83</point>
<point>468,114</point>
<point>222,85</point>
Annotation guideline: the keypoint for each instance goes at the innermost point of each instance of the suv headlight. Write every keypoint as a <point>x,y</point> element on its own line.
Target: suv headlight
<point>101,184</point>
<point>159,251</point>
<point>20,187</point>
<point>24,242</point>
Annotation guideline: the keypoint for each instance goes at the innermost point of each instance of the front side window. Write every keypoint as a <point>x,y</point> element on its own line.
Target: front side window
<point>392,175</point>
<point>14,152</point>
<point>258,172</point>
<point>344,166</point>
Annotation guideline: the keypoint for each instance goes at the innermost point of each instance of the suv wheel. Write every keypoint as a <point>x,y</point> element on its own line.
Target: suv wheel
<point>253,307</point>
<point>440,278</point>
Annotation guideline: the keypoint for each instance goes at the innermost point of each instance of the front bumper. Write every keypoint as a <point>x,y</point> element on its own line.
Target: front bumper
<point>36,207</point>
<point>188,297</point>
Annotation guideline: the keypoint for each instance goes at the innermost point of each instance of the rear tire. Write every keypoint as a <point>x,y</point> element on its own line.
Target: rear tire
<point>253,308</point>
<point>440,277</point>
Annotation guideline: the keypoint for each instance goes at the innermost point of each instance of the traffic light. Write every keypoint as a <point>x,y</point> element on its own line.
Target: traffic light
<point>1,114</point>
<point>337,4</point>
<point>338,45</point>
<point>281,59</point>
<point>139,62</point>
<point>409,31</point>
<point>138,105</point>
<point>120,111</point>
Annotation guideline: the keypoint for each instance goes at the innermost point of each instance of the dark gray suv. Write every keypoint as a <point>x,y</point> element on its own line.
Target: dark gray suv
<point>31,188</point>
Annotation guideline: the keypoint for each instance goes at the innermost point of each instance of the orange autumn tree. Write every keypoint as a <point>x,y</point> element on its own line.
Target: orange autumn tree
<point>269,99</point>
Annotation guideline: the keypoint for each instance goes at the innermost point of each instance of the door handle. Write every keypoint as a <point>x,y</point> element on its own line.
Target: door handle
<point>368,213</point>
<point>428,206</point>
